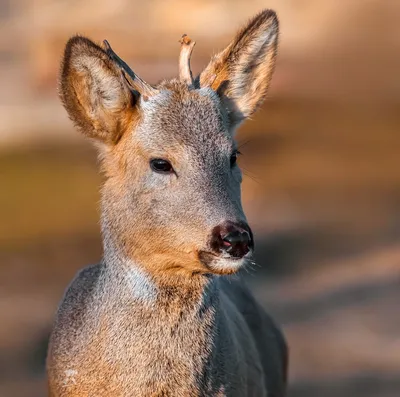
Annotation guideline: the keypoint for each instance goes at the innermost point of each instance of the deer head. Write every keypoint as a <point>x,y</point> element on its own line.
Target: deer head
<point>171,200</point>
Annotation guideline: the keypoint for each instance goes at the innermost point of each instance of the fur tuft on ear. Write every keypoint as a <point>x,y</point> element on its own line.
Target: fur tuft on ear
<point>94,91</point>
<point>242,72</point>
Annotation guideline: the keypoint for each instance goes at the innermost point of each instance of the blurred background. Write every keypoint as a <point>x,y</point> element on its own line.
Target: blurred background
<point>321,186</point>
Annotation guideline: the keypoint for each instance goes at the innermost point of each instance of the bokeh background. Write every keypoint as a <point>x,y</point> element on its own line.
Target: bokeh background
<point>321,186</point>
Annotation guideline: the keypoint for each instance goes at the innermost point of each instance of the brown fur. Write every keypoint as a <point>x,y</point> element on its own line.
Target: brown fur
<point>159,316</point>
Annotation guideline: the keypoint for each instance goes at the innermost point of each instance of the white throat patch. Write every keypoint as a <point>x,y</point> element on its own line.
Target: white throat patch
<point>140,283</point>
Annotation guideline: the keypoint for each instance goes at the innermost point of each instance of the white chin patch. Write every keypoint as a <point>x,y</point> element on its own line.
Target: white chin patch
<point>227,265</point>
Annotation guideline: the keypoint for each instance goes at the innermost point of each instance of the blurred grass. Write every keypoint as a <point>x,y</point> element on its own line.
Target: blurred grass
<point>47,191</point>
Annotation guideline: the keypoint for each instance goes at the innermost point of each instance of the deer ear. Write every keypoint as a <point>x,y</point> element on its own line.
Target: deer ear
<point>242,72</point>
<point>94,91</point>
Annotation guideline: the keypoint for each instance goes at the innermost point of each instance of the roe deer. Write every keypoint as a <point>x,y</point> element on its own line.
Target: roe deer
<point>161,315</point>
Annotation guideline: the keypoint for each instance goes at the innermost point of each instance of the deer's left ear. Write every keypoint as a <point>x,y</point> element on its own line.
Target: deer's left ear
<point>242,72</point>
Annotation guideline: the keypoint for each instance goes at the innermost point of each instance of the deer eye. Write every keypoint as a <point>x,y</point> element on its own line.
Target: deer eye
<point>161,166</point>
<point>234,157</point>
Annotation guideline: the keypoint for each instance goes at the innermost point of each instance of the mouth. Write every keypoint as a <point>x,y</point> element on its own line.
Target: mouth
<point>223,264</point>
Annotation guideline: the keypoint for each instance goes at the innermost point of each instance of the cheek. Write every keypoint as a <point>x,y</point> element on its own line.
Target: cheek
<point>152,182</point>
<point>177,209</point>
<point>155,238</point>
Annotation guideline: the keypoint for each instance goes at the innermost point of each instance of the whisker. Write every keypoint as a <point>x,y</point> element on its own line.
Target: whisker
<point>252,176</point>
<point>243,144</point>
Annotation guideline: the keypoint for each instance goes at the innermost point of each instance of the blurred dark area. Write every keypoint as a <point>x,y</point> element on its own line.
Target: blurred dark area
<point>321,185</point>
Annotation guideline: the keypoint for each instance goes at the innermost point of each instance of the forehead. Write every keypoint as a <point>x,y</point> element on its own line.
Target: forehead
<point>180,117</point>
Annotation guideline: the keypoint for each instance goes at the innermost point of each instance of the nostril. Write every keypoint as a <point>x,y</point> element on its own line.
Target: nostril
<point>236,237</point>
<point>236,242</point>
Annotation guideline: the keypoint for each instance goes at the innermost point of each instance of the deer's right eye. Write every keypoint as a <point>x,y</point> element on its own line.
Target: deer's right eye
<point>161,166</point>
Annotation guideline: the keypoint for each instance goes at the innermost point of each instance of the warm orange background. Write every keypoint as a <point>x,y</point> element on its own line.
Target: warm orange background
<point>322,190</point>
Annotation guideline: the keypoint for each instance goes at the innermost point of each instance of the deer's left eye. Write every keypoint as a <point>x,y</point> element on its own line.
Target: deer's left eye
<point>234,157</point>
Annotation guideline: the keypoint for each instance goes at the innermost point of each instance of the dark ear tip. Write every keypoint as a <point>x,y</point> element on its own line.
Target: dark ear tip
<point>268,16</point>
<point>78,43</point>
<point>76,46</point>
<point>267,13</point>
<point>77,39</point>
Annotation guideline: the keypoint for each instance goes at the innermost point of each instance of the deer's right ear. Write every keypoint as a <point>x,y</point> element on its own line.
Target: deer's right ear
<point>94,91</point>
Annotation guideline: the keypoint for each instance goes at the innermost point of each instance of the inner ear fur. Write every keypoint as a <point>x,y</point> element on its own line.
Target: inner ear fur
<point>242,72</point>
<point>94,91</point>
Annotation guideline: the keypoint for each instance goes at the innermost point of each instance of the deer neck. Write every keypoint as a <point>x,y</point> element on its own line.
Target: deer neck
<point>179,291</point>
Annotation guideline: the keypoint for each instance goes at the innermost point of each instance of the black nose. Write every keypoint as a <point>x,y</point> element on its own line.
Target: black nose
<point>234,239</point>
